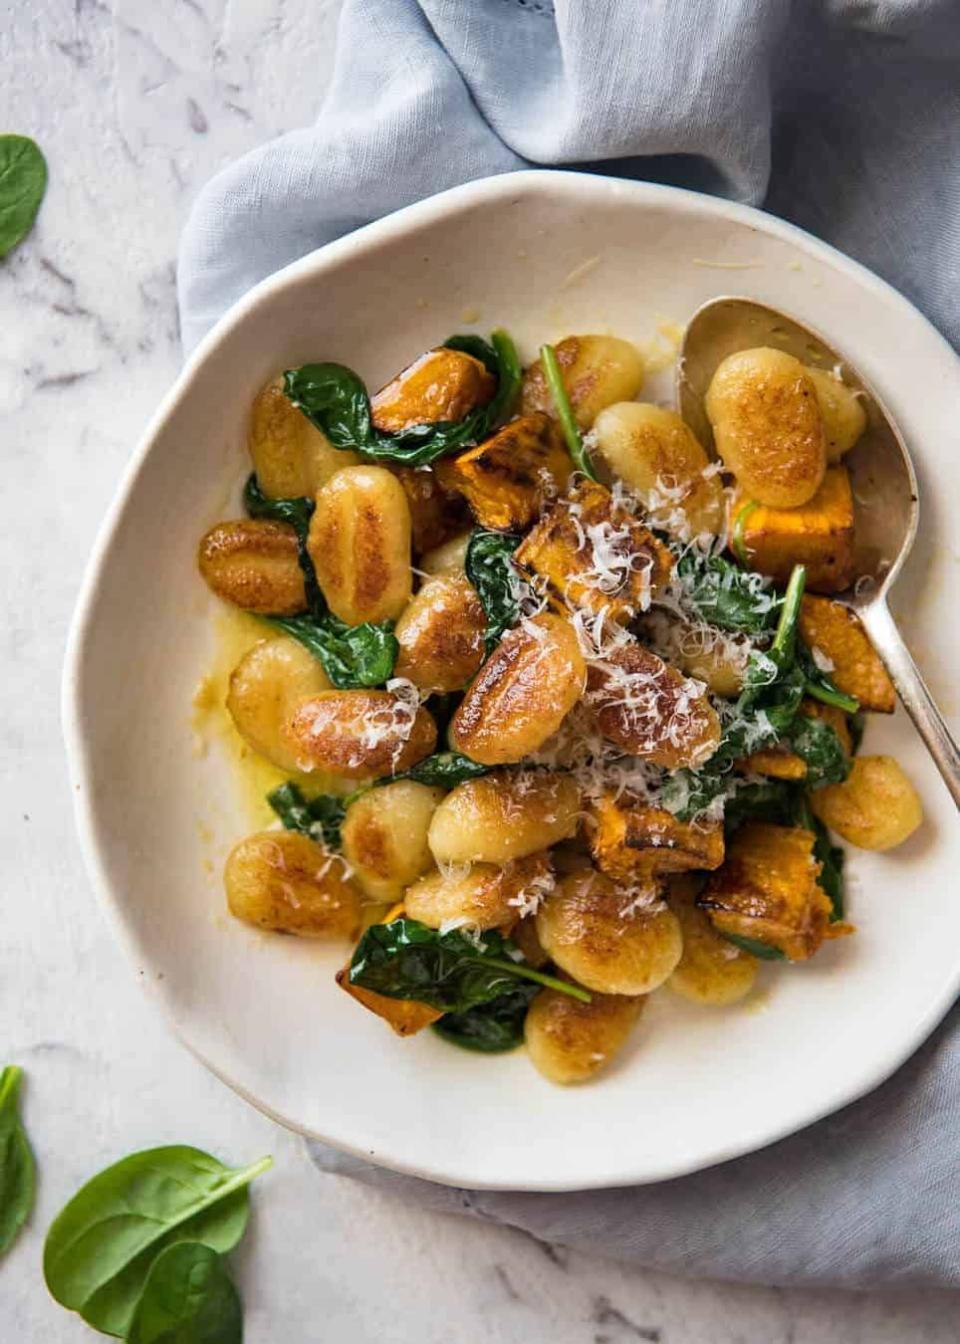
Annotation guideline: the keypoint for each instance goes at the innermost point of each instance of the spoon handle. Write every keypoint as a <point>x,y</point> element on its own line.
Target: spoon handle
<point>911,688</point>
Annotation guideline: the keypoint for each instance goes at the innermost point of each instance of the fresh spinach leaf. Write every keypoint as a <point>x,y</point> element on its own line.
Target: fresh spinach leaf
<point>17,1167</point>
<point>765,951</point>
<point>821,686</point>
<point>23,181</point>
<point>817,743</point>
<point>445,769</point>
<point>568,421</point>
<point>406,960</point>
<point>489,567</point>
<point>101,1246</point>
<point>352,655</point>
<point>726,596</point>
<point>320,818</point>
<point>490,1028</point>
<point>188,1298</point>
<point>333,398</point>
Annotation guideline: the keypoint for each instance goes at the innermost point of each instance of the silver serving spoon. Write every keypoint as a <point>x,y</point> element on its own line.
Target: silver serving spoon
<point>882,475</point>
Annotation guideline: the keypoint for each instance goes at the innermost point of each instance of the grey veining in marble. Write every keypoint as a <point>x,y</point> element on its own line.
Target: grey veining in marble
<point>136,102</point>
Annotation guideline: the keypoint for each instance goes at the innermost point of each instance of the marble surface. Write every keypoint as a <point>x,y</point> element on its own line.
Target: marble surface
<point>136,104</point>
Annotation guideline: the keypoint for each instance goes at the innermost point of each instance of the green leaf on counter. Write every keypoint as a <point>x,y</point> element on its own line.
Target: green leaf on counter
<point>23,181</point>
<point>188,1298</point>
<point>17,1166</point>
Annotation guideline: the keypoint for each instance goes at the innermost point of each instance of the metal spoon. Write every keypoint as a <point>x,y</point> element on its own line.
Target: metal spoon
<point>882,475</point>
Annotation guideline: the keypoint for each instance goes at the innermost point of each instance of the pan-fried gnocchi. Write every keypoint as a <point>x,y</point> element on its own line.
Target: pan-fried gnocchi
<point>585,737</point>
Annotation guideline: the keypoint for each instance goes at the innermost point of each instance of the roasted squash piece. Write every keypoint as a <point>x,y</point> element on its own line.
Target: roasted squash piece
<point>596,555</point>
<point>441,385</point>
<point>508,478</point>
<point>818,534</point>
<point>767,891</point>
<point>631,841</point>
<point>436,515</point>
<point>405,1016</point>
<point>837,633</point>
<point>648,708</point>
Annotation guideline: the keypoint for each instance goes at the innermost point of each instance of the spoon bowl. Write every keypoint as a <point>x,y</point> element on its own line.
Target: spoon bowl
<point>886,499</point>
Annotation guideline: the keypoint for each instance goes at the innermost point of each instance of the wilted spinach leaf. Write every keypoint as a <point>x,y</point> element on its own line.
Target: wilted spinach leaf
<point>821,686</point>
<point>23,180</point>
<point>448,971</point>
<point>445,769</point>
<point>320,818</point>
<point>334,399</point>
<point>765,951</point>
<point>352,655</point>
<point>827,854</point>
<point>773,687</point>
<point>188,1298</point>
<point>490,1028</point>
<point>17,1167</point>
<point>765,800</point>
<point>818,744</point>
<point>103,1243</point>
<point>726,596</point>
<point>489,566</point>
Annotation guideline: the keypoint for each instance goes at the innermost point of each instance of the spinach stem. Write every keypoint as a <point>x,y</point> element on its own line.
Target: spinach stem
<point>737,543</point>
<point>571,430</point>
<point>784,639</point>
<point>831,695</point>
<point>550,981</point>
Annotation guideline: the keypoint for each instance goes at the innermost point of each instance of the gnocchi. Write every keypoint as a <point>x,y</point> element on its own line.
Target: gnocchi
<point>265,686</point>
<point>504,816</point>
<point>359,734</point>
<point>254,564</point>
<point>286,882</point>
<point>384,837</point>
<point>876,806</point>
<point>596,371</point>
<point>291,458</point>
<point>441,635</point>
<point>569,1042</point>
<point>359,542</point>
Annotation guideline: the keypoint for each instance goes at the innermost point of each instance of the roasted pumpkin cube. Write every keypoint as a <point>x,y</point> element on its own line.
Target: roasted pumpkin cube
<point>405,1016</point>
<point>509,477</point>
<point>767,891</point>
<point>631,841</point>
<point>818,534</point>
<point>837,633</point>
<point>779,762</point>
<point>436,514</point>
<point>595,554</point>
<point>441,385</point>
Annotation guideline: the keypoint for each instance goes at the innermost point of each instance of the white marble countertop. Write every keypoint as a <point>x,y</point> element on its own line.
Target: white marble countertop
<point>136,104</point>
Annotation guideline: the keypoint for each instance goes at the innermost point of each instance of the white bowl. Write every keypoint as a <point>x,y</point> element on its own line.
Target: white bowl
<point>541,254</point>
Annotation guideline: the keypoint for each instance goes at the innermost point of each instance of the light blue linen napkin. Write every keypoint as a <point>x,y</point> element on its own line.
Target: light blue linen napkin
<point>841,115</point>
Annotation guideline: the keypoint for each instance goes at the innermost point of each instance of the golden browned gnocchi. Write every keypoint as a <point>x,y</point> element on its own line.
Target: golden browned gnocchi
<point>359,543</point>
<point>479,895</point>
<point>265,686</point>
<point>569,1041</point>
<point>653,452</point>
<point>284,881</point>
<point>505,815</point>
<point>290,456</point>
<point>612,941</point>
<point>384,837</point>
<point>767,426</point>
<point>875,807</point>
<point>441,635</point>
<point>522,693</point>
<point>596,371</point>
<point>711,969</point>
<point>359,734</point>
<point>841,411</point>
<point>553,706</point>
<point>254,564</point>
